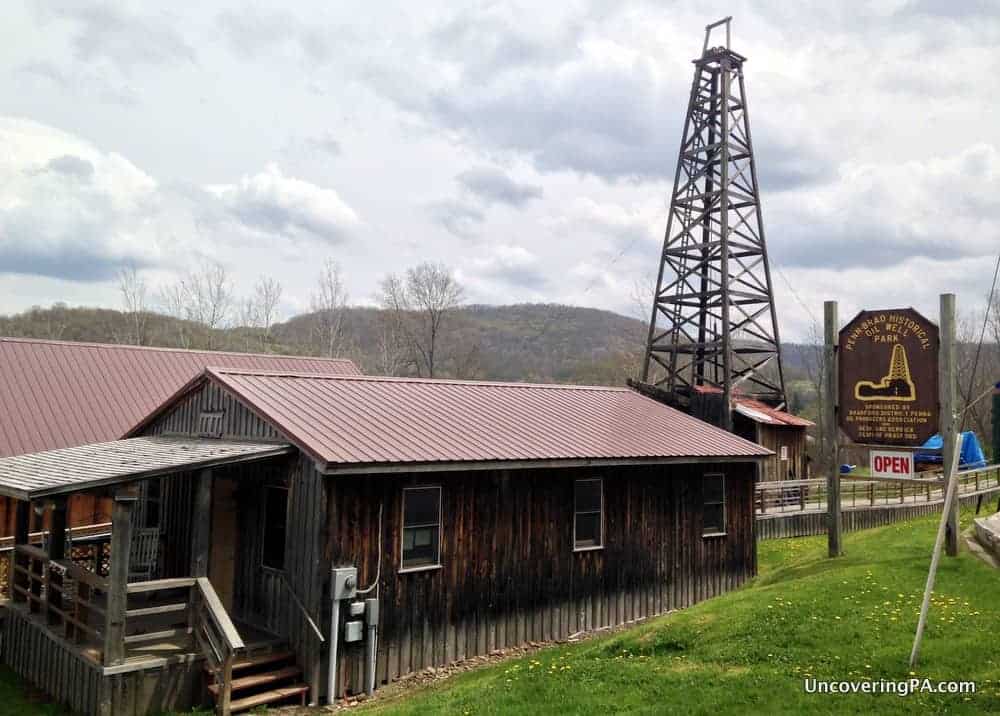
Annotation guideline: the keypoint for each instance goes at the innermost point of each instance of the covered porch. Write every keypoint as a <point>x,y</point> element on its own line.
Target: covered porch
<point>127,638</point>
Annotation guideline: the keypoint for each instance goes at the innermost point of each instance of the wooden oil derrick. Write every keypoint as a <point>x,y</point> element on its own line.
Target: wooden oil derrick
<point>714,323</point>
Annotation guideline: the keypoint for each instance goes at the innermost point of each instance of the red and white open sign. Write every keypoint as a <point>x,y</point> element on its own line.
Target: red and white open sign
<point>885,463</point>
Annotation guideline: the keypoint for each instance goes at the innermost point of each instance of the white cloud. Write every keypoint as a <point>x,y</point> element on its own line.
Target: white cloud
<point>883,214</point>
<point>274,204</point>
<point>68,209</point>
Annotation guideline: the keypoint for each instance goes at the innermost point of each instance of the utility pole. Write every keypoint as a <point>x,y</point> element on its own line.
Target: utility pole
<point>949,426</point>
<point>831,431</point>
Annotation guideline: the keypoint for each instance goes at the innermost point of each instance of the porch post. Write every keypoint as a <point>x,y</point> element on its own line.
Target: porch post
<point>201,524</point>
<point>22,516</point>
<point>121,545</point>
<point>57,551</point>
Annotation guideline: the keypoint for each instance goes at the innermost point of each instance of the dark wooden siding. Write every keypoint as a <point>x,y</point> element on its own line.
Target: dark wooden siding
<point>260,595</point>
<point>773,437</point>
<point>510,574</point>
<point>237,420</point>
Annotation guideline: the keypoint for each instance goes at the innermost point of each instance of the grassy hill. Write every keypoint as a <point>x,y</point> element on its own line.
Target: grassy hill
<point>750,651</point>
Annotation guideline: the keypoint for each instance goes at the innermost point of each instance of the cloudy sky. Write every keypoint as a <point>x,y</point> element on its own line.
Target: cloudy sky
<point>531,147</point>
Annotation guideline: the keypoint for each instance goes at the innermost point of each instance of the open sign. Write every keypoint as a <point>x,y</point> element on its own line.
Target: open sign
<point>891,464</point>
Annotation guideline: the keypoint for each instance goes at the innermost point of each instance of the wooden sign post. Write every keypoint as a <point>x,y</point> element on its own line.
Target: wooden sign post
<point>831,429</point>
<point>948,377</point>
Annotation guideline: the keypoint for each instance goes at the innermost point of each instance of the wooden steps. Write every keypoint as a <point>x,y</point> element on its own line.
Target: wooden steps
<point>269,697</point>
<point>256,661</point>
<point>264,678</point>
<point>256,680</point>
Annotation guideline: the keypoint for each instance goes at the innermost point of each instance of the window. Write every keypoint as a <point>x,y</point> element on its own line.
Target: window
<point>421,527</point>
<point>784,452</point>
<point>714,509</point>
<point>210,423</point>
<point>275,526</point>
<point>588,519</point>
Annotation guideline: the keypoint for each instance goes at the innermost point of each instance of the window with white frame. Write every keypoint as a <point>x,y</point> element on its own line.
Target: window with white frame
<point>421,527</point>
<point>784,452</point>
<point>714,504</point>
<point>588,518</point>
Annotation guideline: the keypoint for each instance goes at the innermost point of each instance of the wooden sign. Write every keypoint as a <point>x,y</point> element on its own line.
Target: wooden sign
<point>888,372</point>
<point>884,463</point>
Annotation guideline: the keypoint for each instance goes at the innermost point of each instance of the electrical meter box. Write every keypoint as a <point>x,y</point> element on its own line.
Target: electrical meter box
<point>354,631</point>
<point>345,582</point>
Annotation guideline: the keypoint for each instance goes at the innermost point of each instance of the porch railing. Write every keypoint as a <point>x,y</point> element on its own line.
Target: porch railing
<point>69,597</point>
<point>217,638</point>
<point>186,610</point>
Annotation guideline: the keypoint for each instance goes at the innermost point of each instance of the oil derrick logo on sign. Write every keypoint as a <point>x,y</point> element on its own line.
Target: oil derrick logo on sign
<point>897,385</point>
<point>888,378</point>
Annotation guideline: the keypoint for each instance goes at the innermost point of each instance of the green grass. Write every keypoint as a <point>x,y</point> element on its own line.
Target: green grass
<point>805,615</point>
<point>16,701</point>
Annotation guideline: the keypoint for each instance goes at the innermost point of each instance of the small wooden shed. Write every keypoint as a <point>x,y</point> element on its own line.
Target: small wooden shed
<point>784,434</point>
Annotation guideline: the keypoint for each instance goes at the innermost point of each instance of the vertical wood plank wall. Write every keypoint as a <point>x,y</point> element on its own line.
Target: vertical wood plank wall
<point>773,437</point>
<point>509,574</point>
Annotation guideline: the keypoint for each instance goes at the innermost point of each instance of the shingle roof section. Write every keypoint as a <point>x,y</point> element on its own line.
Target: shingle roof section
<point>67,470</point>
<point>371,420</point>
<point>56,394</point>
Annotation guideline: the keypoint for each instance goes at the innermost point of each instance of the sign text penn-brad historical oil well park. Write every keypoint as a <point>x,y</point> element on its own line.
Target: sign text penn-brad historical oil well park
<point>891,383</point>
<point>889,378</point>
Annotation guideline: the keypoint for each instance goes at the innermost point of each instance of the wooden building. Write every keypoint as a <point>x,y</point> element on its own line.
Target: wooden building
<point>456,518</point>
<point>784,434</point>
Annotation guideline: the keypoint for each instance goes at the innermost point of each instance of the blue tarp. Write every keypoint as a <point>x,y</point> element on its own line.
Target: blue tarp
<point>972,453</point>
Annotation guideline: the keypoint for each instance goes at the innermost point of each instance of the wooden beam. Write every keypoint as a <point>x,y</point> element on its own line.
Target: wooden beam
<point>201,524</point>
<point>830,429</point>
<point>22,515</point>
<point>121,544</point>
<point>949,426</point>
<point>57,551</point>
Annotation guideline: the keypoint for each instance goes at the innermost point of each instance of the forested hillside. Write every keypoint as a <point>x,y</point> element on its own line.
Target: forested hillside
<point>525,342</point>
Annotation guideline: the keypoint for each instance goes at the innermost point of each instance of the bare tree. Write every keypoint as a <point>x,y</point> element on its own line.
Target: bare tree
<point>133,290</point>
<point>172,301</point>
<point>249,320</point>
<point>422,302</point>
<point>392,356</point>
<point>205,296</point>
<point>267,296</point>
<point>329,304</point>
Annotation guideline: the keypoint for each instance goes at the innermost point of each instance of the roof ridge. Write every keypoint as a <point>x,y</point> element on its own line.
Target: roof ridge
<point>165,349</point>
<point>221,371</point>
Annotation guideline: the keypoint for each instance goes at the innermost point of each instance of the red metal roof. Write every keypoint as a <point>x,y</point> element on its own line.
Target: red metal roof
<point>372,420</point>
<point>55,394</point>
<point>764,413</point>
<point>758,411</point>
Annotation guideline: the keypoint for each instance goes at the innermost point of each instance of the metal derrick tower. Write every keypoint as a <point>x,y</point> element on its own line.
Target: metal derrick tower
<point>714,322</point>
